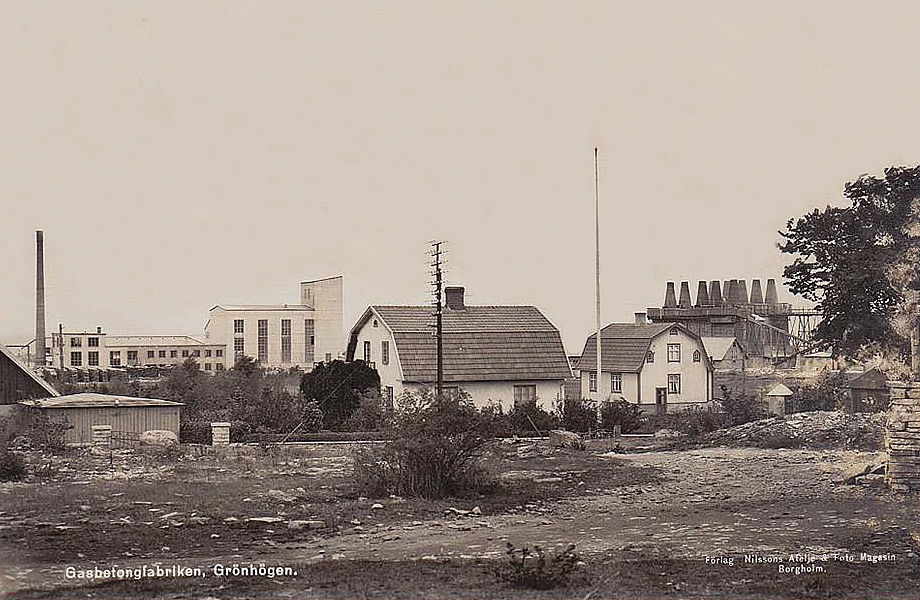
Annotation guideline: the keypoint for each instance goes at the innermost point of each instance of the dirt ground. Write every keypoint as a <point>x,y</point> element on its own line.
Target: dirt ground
<point>714,522</point>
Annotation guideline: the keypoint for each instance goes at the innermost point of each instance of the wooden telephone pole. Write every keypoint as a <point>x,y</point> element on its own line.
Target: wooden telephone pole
<point>437,287</point>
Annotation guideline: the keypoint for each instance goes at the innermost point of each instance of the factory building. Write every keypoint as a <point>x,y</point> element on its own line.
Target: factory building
<point>757,320</point>
<point>283,335</point>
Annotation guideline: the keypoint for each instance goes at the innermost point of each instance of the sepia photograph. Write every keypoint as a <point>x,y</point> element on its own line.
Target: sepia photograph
<point>507,299</point>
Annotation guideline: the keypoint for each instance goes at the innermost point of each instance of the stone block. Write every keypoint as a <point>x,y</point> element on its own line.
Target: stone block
<point>158,437</point>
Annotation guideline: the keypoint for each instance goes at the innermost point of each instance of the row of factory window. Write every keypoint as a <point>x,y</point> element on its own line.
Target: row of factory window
<point>239,344</point>
<point>616,382</point>
<point>673,354</point>
<point>92,357</point>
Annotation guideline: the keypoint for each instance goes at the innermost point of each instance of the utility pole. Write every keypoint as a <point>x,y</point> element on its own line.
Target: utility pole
<point>597,278</point>
<point>436,262</point>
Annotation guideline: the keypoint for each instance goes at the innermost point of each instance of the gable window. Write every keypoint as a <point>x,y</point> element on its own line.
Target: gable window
<point>367,352</point>
<point>673,352</point>
<point>650,357</point>
<point>697,357</point>
<point>592,382</point>
<point>616,382</point>
<point>673,383</point>
<point>525,394</point>
<point>673,331</point>
<point>385,352</point>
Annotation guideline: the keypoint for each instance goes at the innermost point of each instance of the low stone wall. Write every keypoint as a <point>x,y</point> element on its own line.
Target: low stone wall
<point>902,437</point>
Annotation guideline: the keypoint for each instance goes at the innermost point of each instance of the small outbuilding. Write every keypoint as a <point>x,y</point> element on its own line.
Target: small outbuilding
<point>126,415</point>
<point>776,399</point>
<point>868,392</point>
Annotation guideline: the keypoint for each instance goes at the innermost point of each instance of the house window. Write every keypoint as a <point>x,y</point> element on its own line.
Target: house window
<point>162,354</point>
<point>173,354</point>
<point>673,331</point>
<point>328,357</point>
<point>76,342</point>
<point>92,342</point>
<point>115,358</point>
<point>263,340</point>
<point>673,383</point>
<point>219,367</point>
<point>76,359</point>
<point>207,366</point>
<point>239,347</point>
<point>367,351</point>
<point>184,353</point>
<point>132,356</point>
<point>388,397</point>
<point>616,382</point>
<point>375,323</point>
<point>92,359</point>
<point>238,326</point>
<point>196,353</point>
<point>592,382</point>
<point>207,353</point>
<point>385,352</point>
<point>650,357</point>
<point>673,352</point>
<point>697,356</point>
<point>151,354</point>
<point>525,394</point>
<point>219,353</point>
<point>285,340</point>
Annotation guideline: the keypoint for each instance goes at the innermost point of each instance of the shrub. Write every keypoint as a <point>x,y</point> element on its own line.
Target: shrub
<point>533,570</point>
<point>369,416</point>
<point>435,451</point>
<point>620,412</point>
<point>12,466</point>
<point>579,415</point>
<point>530,417</point>
<point>41,431</point>
<point>742,408</point>
<point>695,422</point>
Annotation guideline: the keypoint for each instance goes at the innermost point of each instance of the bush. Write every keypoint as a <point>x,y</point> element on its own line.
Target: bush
<point>12,466</point>
<point>695,422</point>
<point>369,416</point>
<point>741,409</point>
<point>41,431</point>
<point>530,417</point>
<point>532,570</point>
<point>620,412</point>
<point>435,451</point>
<point>579,415</point>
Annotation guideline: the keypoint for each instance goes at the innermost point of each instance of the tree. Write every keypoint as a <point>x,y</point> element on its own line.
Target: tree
<point>338,388</point>
<point>860,264</point>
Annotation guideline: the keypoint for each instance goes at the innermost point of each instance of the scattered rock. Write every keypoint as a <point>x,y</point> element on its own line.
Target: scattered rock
<point>559,438</point>
<point>667,434</point>
<point>298,525</point>
<point>376,506</point>
<point>264,520</point>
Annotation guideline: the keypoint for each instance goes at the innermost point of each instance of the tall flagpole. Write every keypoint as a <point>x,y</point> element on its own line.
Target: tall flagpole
<point>597,276</point>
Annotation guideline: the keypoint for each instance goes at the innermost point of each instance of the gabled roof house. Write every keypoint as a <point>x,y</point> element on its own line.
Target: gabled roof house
<point>497,354</point>
<point>663,367</point>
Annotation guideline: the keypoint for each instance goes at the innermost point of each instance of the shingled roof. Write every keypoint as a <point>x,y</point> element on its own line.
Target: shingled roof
<point>481,343</point>
<point>624,346</point>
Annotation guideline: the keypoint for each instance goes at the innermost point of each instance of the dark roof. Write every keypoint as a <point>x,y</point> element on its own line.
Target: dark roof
<point>481,343</point>
<point>93,400</point>
<point>873,379</point>
<point>624,346</point>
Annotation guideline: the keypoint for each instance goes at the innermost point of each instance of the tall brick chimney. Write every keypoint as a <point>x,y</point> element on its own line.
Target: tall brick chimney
<point>770,296</point>
<point>702,294</point>
<point>670,299</point>
<point>756,292</point>
<point>685,301</point>
<point>453,297</point>
<point>39,360</point>
<point>715,293</point>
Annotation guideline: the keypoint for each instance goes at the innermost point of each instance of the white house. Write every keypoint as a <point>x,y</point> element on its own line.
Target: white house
<point>497,354</point>
<point>662,367</point>
<point>283,335</point>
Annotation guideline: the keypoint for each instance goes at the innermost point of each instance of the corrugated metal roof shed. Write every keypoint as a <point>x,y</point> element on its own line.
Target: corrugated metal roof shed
<point>93,400</point>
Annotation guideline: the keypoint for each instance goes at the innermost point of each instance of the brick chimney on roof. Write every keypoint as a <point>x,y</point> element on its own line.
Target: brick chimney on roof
<point>453,297</point>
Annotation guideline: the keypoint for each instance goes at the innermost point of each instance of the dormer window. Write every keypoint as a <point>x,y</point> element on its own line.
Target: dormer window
<point>650,357</point>
<point>697,356</point>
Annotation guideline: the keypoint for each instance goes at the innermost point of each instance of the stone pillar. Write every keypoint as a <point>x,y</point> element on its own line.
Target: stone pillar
<point>220,434</point>
<point>902,437</point>
<point>102,436</point>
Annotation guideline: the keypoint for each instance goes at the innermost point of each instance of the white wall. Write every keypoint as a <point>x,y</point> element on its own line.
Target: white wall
<point>220,331</point>
<point>485,393</point>
<point>390,374</point>
<point>694,380</point>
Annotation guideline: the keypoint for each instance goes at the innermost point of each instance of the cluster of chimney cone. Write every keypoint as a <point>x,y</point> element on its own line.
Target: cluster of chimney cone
<point>735,294</point>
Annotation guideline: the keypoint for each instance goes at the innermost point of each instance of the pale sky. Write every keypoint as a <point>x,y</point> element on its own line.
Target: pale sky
<point>183,154</point>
